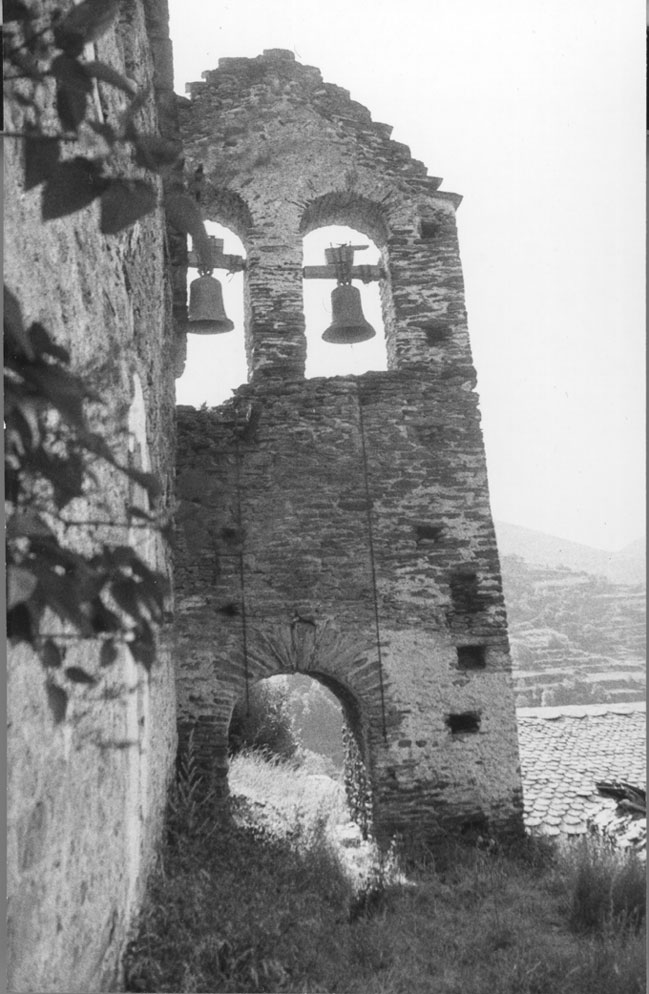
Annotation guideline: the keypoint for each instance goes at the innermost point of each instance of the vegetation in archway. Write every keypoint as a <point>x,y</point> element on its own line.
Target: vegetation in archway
<point>263,722</point>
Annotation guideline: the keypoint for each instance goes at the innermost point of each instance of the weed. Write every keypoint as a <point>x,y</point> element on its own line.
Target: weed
<point>604,886</point>
<point>263,905</point>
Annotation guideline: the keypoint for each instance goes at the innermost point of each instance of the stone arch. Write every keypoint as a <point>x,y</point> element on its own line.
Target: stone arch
<point>346,666</point>
<point>343,665</point>
<point>228,208</point>
<point>349,208</point>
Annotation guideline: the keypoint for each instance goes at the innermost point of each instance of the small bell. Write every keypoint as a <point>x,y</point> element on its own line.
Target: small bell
<point>348,325</point>
<point>206,311</point>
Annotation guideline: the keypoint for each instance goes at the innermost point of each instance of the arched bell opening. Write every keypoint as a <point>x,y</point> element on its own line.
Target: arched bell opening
<point>310,727</point>
<point>347,312</point>
<point>216,361</point>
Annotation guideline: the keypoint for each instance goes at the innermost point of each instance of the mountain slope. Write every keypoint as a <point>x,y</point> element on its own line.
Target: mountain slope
<point>577,619</point>
<point>627,565</point>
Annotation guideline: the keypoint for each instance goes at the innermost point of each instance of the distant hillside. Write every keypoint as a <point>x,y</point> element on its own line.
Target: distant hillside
<point>577,619</point>
<point>627,565</point>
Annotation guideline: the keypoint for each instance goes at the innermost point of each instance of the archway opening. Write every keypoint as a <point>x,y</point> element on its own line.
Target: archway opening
<point>323,358</point>
<point>216,364</point>
<point>295,743</point>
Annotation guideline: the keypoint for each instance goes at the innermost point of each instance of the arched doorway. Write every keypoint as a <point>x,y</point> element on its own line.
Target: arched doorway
<point>296,741</point>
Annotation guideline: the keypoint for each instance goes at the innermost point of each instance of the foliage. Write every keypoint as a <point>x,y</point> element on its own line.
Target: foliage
<point>605,885</point>
<point>290,795</point>
<point>190,802</point>
<point>357,784</point>
<point>317,717</point>
<point>52,51</point>
<point>263,722</point>
<point>248,909</point>
<point>49,454</point>
<point>50,450</point>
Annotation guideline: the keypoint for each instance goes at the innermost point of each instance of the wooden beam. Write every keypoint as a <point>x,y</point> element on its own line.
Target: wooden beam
<point>233,263</point>
<point>364,273</point>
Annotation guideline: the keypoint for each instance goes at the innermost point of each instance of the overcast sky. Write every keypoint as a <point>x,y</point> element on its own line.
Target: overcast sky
<point>534,112</point>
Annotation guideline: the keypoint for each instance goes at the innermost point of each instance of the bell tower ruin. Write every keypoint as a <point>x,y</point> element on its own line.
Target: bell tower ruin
<point>341,527</point>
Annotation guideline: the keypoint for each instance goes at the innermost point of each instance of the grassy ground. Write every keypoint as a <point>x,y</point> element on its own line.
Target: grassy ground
<point>262,903</point>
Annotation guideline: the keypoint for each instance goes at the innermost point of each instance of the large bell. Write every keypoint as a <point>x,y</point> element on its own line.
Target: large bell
<point>348,325</point>
<point>206,314</point>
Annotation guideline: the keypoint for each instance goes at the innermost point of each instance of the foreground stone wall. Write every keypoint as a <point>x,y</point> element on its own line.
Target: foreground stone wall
<point>341,527</point>
<point>89,766</point>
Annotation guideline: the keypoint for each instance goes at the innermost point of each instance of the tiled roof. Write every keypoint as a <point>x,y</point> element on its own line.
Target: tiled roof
<point>565,750</point>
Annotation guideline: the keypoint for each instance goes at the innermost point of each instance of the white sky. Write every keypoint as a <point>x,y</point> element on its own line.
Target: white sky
<point>534,112</point>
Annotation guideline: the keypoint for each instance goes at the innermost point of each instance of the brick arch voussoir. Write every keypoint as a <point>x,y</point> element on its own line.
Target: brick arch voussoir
<point>339,660</point>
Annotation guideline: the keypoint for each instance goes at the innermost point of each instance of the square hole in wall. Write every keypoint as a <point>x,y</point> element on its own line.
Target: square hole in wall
<point>471,657</point>
<point>436,330</point>
<point>429,229</point>
<point>465,723</point>
<point>465,593</point>
<point>428,532</point>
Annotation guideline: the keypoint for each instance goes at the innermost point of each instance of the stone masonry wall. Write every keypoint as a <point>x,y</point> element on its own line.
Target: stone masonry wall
<point>87,783</point>
<point>341,526</point>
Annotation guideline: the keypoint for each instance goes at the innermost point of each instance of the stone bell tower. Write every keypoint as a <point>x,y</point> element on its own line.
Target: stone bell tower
<point>340,527</point>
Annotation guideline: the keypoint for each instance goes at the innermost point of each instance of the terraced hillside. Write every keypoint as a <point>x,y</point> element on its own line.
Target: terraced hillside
<point>576,638</point>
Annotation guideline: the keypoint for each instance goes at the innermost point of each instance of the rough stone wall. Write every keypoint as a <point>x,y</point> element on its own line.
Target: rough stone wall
<point>87,789</point>
<point>342,526</point>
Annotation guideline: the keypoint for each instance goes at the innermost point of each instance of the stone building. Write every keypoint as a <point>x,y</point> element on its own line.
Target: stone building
<point>341,526</point>
<point>89,765</point>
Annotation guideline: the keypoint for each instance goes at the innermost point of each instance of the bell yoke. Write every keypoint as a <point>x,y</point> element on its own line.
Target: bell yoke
<point>206,314</point>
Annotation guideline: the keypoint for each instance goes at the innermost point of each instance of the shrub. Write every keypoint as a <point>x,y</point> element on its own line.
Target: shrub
<point>604,886</point>
<point>265,724</point>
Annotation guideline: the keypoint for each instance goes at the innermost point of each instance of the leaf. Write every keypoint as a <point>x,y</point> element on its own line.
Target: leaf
<point>84,23</point>
<point>21,626</point>
<point>146,480</point>
<point>51,655</point>
<point>64,473</point>
<point>21,584</point>
<point>125,594</point>
<point>16,338</point>
<point>15,10</point>
<point>43,343</point>
<point>65,392</point>
<point>64,596</point>
<point>58,702</point>
<point>97,444</point>
<point>154,152</point>
<point>143,648</point>
<point>102,618</point>
<point>184,214</point>
<point>73,185</point>
<point>108,653</point>
<point>124,202</point>
<point>77,675</point>
<point>106,73</point>
<point>27,523</point>
<point>136,105</point>
<point>72,89</point>
<point>42,156</point>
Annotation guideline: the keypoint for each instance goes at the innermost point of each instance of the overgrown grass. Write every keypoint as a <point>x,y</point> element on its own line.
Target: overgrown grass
<point>605,886</point>
<point>269,908</point>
